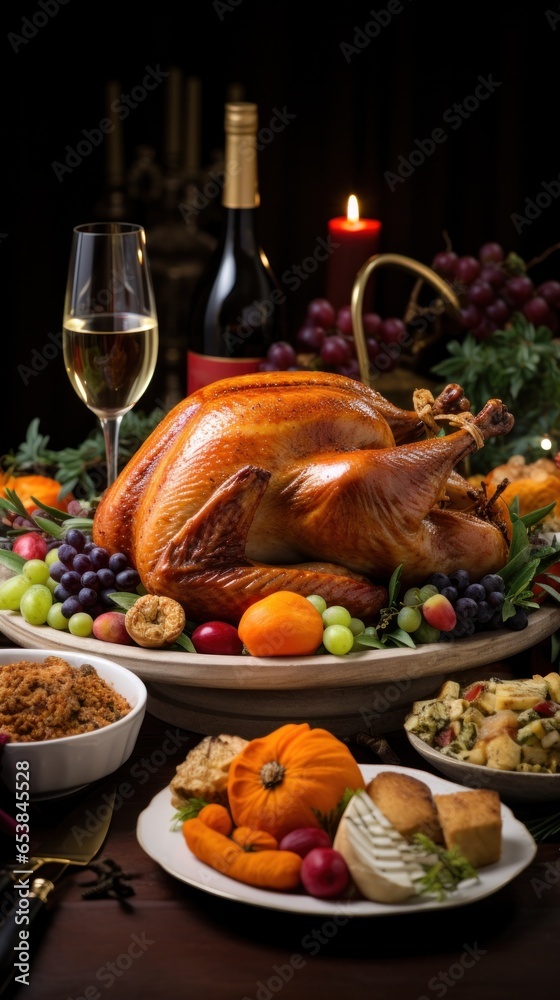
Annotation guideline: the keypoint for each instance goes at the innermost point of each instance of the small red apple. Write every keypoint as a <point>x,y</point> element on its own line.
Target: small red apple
<point>32,545</point>
<point>218,638</point>
<point>324,873</point>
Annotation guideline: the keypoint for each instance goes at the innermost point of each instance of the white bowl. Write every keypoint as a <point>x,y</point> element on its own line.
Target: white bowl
<point>63,765</point>
<point>515,786</point>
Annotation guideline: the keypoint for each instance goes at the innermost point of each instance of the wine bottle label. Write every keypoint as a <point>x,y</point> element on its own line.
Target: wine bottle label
<point>203,369</point>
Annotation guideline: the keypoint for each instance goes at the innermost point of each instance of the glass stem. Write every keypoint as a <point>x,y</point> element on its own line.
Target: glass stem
<point>111,427</point>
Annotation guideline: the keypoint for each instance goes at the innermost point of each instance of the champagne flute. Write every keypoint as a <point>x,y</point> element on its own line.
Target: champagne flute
<point>110,327</point>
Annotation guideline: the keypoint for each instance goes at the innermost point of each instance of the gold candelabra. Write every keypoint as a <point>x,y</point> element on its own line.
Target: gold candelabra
<point>450,300</point>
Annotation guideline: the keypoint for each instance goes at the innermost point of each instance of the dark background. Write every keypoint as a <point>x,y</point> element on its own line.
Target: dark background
<point>354,116</point>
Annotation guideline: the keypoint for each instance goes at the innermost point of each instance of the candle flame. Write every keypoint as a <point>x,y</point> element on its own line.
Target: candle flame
<point>353,210</point>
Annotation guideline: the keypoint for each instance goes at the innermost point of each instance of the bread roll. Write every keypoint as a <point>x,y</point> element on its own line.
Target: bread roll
<point>407,803</point>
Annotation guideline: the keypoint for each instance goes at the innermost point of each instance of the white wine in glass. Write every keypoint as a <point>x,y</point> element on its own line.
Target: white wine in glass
<point>110,328</point>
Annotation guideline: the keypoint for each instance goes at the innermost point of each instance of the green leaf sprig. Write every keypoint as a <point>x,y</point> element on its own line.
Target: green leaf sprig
<point>520,365</point>
<point>446,872</point>
<point>526,560</point>
<point>78,467</point>
<point>542,829</point>
<point>189,810</point>
<point>57,524</point>
<point>386,633</point>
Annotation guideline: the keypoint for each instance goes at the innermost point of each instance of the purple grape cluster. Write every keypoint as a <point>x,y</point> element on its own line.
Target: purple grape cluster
<point>493,286</point>
<point>477,605</point>
<point>327,335</point>
<point>86,575</point>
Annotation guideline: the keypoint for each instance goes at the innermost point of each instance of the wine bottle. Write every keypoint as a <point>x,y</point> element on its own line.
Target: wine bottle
<point>238,308</point>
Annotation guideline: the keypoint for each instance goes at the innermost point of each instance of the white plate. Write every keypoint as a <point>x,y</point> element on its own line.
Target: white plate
<point>168,848</point>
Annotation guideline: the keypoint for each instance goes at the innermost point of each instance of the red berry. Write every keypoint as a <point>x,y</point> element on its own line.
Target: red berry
<point>372,324</point>
<point>550,291</point>
<point>321,313</point>
<point>344,320</point>
<point>393,331</point>
<point>493,274</point>
<point>281,354</point>
<point>466,270</point>
<point>499,312</point>
<point>481,293</point>
<point>470,316</point>
<point>519,289</point>
<point>373,348</point>
<point>335,350</point>
<point>537,311</point>
<point>490,253</point>
<point>444,263</point>
<point>310,338</point>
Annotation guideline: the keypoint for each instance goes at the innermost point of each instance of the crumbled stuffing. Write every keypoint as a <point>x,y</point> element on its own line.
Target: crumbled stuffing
<point>45,701</point>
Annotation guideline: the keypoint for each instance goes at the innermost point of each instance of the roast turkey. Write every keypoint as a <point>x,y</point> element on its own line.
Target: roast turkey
<point>305,481</point>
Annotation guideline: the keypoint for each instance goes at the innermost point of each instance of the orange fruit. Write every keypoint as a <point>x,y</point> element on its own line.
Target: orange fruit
<point>281,624</point>
<point>43,488</point>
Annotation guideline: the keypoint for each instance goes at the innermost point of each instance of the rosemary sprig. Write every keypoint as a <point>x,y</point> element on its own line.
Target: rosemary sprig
<point>542,829</point>
<point>13,504</point>
<point>446,872</point>
<point>82,466</point>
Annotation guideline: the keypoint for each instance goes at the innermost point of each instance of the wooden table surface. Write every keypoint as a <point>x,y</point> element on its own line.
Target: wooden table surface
<point>173,940</point>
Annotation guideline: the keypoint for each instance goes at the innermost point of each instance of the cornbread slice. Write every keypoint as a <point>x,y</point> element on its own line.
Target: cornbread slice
<point>472,822</point>
<point>204,772</point>
<point>407,803</point>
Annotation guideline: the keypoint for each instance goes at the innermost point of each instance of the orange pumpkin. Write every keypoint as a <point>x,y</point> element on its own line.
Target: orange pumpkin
<point>281,624</point>
<point>294,777</point>
<point>253,840</point>
<point>535,484</point>
<point>43,488</point>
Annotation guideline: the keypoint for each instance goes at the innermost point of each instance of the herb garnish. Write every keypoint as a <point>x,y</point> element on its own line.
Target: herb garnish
<point>446,872</point>
<point>189,810</point>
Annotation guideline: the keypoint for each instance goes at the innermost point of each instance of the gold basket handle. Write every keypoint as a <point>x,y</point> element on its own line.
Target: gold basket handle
<point>358,292</point>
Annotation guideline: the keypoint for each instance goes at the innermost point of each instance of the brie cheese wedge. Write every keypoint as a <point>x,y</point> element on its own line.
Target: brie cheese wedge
<point>384,866</point>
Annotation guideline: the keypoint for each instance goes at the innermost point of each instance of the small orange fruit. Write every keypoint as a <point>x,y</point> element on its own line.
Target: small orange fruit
<point>282,624</point>
<point>43,488</point>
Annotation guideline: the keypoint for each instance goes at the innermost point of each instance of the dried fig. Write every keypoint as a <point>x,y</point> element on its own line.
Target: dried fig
<point>154,621</point>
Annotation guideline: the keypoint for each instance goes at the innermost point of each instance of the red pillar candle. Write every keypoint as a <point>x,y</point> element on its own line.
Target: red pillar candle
<point>353,241</point>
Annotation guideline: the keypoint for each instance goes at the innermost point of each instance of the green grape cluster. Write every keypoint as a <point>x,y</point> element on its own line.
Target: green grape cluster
<point>339,628</point>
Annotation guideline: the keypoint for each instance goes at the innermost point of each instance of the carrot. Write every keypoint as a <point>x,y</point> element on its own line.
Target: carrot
<point>268,869</point>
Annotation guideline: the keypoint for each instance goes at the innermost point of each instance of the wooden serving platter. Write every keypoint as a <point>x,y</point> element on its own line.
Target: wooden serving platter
<point>249,695</point>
